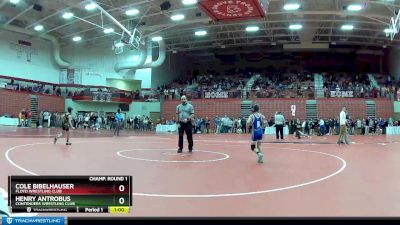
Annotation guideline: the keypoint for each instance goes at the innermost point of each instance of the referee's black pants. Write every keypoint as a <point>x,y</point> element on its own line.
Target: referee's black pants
<point>279,130</point>
<point>187,128</point>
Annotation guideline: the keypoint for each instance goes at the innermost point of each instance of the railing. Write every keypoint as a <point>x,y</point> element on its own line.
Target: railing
<point>102,97</point>
<point>64,90</point>
<point>371,94</point>
<point>244,94</point>
<point>98,96</point>
<point>276,93</point>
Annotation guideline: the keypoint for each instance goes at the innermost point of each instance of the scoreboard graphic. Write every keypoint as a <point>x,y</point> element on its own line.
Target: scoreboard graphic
<point>73,194</point>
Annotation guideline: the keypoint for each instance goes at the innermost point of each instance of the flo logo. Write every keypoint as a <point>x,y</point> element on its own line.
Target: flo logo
<point>233,9</point>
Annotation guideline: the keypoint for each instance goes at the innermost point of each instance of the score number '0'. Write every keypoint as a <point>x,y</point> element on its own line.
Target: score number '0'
<point>121,200</point>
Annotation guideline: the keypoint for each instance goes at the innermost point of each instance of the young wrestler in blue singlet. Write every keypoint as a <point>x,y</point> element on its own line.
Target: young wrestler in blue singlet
<point>256,121</point>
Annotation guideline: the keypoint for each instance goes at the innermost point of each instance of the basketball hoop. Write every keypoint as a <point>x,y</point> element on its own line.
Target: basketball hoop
<point>118,47</point>
<point>135,39</point>
<point>132,41</point>
<point>119,50</point>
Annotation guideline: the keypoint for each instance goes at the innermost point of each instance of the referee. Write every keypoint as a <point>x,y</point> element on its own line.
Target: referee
<point>343,136</point>
<point>185,114</point>
<point>279,123</point>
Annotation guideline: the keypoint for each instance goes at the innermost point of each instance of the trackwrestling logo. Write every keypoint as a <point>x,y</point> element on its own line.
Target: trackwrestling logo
<point>33,220</point>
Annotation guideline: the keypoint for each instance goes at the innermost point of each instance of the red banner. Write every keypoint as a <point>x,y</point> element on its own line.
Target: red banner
<point>232,9</point>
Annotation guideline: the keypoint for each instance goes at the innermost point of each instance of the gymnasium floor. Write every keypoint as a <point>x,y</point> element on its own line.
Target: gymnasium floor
<point>307,177</point>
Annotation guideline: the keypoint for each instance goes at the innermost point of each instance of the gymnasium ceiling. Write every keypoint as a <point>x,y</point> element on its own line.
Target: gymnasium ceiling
<point>321,21</point>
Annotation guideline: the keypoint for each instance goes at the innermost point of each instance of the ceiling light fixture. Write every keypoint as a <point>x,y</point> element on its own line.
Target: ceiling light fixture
<point>291,6</point>
<point>295,27</point>
<point>157,38</point>
<point>347,27</point>
<point>108,30</point>
<point>177,17</point>
<point>132,12</point>
<point>76,38</point>
<point>189,2</point>
<point>200,33</point>
<point>68,15</point>
<point>14,1</point>
<point>252,28</point>
<point>354,7</point>
<point>38,27</point>
<point>90,6</point>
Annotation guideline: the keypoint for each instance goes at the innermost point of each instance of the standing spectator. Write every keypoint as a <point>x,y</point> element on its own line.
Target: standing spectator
<point>112,121</point>
<point>243,124</point>
<point>217,122</point>
<point>21,117</point>
<point>367,121</point>
<point>41,119</point>
<point>99,122</point>
<point>47,118</point>
<point>359,126</point>
<point>207,122</point>
<point>118,122</point>
<point>322,127</point>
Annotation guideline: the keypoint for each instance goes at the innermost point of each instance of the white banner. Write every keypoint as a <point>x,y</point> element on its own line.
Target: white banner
<point>102,96</point>
<point>342,94</point>
<point>222,94</point>
<point>12,86</point>
<point>293,109</point>
<point>70,76</point>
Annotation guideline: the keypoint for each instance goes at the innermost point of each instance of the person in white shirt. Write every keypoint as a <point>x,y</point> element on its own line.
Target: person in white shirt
<point>322,127</point>
<point>279,125</point>
<point>343,128</point>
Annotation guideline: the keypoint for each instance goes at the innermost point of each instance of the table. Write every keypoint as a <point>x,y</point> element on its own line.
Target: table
<point>392,130</point>
<point>8,121</point>
<point>166,128</point>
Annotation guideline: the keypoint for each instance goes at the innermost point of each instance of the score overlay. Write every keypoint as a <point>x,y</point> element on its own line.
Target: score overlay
<point>75,194</point>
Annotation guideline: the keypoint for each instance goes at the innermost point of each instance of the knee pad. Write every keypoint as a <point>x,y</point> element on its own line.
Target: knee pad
<point>253,146</point>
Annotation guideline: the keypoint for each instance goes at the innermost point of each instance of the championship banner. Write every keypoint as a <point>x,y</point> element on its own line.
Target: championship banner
<point>223,94</point>
<point>342,94</point>
<point>70,76</point>
<point>221,10</point>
